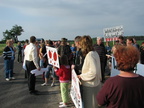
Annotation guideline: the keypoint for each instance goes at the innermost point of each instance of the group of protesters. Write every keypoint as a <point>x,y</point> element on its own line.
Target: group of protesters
<point>89,62</point>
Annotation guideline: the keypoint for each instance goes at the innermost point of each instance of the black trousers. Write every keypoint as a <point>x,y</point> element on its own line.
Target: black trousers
<point>31,77</point>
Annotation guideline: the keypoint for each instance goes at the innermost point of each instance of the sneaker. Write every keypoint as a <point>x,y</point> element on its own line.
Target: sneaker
<point>44,84</point>
<point>12,78</point>
<point>61,103</point>
<point>52,85</point>
<point>7,79</point>
<point>62,106</point>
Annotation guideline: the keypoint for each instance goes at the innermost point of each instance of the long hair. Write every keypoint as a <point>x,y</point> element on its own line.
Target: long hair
<point>86,44</point>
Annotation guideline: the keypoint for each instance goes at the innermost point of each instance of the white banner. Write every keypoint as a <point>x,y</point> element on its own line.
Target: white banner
<point>52,55</point>
<point>112,33</point>
<point>114,71</point>
<point>75,91</point>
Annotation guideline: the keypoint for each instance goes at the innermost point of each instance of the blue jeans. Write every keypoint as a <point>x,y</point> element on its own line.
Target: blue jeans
<point>8,64</point>
<point>41,63</point>
<point>50,69</point>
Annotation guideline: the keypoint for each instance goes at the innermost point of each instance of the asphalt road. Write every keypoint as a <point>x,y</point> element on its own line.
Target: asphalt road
<point>15,94</point>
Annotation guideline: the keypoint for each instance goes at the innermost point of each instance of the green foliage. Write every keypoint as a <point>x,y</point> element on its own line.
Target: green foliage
<point>13,33</point>
<point>2,46</point>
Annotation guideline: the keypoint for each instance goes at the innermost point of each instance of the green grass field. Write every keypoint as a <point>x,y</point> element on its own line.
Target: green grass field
<point>2,46</point>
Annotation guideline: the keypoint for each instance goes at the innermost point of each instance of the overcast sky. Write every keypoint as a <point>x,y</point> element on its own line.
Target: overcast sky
<point>54,19</point>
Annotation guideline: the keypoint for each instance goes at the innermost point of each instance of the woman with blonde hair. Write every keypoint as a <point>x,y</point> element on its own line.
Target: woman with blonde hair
<point>91,73</point>
<point>8,55</point>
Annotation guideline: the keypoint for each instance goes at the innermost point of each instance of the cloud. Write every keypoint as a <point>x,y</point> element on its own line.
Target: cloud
<point>58,18</point>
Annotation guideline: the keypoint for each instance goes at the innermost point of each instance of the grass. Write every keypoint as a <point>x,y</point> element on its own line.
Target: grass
<point>2,46</point>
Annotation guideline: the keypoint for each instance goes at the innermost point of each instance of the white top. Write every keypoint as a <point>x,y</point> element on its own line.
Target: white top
<point>91,70</point>
<point>31,54</point>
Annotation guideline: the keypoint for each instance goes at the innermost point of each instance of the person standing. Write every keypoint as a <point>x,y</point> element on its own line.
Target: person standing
<point>91,73</point>
<point>121,40</point>
<point>64,74</point>
<point>19,49</point>
<point>8,55</point>
<point>31,59</point>
<point>125,90</point>
<point>49,43</point>
<point>14,48</point>
<point>64,49</point>
<point>79,59</point>
<point>100,48</point>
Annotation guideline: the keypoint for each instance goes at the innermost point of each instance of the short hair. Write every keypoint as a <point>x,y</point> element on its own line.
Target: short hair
<point>32,39</point>
<point>121,37</point>
<point>27,41</point>
<point>127,57</point>
<point>131,39</point>
<point>99,38</point>
<point>77,38</point>
<point>49,42</point>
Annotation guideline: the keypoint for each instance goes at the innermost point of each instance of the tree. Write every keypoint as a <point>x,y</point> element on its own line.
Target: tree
<point>13,33</point>
<point>7,35</point>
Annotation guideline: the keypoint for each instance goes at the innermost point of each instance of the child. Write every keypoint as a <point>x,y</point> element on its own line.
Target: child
<point>64,73</point>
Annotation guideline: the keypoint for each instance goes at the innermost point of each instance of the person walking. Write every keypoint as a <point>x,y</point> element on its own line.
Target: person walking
<point>31,63</point>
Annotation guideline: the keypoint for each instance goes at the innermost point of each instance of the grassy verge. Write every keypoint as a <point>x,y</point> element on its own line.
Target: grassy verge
<point>2,46</point>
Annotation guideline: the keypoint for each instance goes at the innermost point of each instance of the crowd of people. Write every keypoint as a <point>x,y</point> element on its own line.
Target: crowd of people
<point>89,61</point>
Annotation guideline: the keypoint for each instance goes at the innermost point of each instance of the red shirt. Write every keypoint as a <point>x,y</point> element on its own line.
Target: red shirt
<point>64,73</point>
<point>122,92</point>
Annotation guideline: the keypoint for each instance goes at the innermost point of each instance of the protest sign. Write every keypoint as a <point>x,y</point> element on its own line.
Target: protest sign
<point>112,33</point>
<point>75,91</point>
<point>52,55</point>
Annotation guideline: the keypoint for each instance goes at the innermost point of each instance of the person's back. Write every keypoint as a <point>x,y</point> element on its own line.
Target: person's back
<point>123,92</point>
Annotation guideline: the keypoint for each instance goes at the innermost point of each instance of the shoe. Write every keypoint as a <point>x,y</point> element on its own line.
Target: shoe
<point>44,84</point>
<point>62,106</point>
<point>36,91</point>
<point>7,79</point>
<point>13,78</point>
<point>52,85</point>
<point>61,103</point>
<point>33,93</point>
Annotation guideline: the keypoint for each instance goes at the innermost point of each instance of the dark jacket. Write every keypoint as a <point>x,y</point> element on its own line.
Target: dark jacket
<point>101,51</point>
<point>8,53</point>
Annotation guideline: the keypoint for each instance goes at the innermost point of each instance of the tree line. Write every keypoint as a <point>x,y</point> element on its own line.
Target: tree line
<point>17,31</point>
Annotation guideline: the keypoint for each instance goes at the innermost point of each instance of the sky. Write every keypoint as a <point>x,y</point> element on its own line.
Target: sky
<point>55,19</point>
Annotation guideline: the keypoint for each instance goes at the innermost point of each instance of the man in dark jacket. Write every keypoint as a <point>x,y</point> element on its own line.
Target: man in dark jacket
<point>100,48</point>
